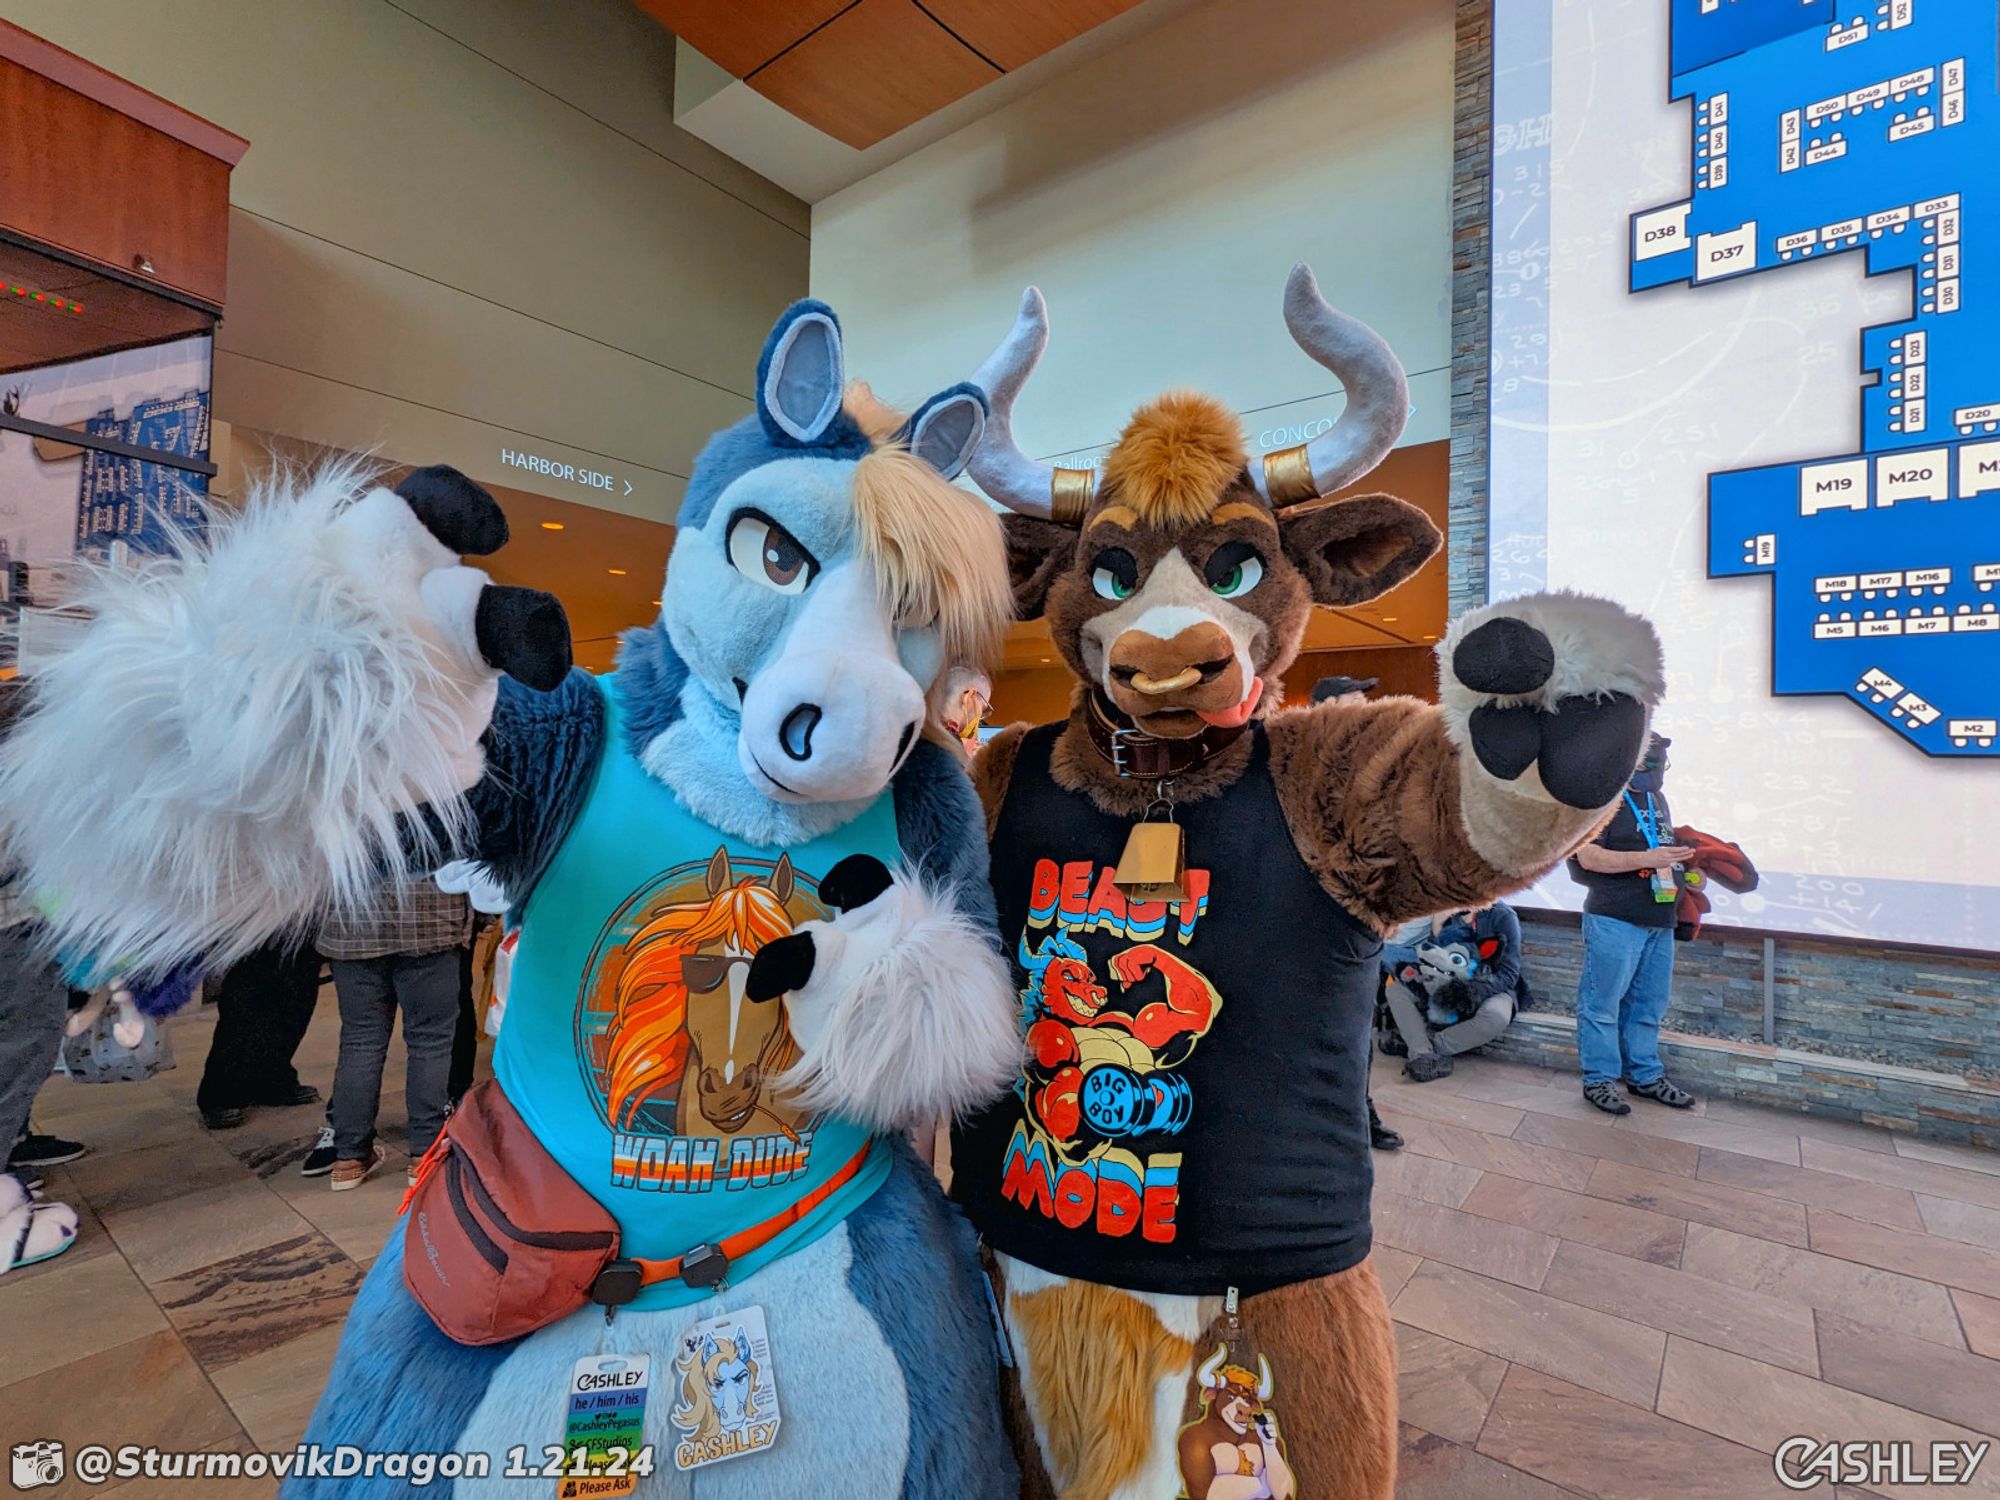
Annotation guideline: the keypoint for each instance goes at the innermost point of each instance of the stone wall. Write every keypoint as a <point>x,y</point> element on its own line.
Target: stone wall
<point>1894,1037</point>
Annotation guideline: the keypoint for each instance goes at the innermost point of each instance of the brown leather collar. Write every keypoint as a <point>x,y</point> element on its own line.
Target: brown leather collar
<point>1139,756</point>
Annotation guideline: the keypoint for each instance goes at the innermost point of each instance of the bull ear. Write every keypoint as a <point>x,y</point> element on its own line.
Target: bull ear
<point>945,429</point>
<point>1037,553</point>
<point>1355,550</point>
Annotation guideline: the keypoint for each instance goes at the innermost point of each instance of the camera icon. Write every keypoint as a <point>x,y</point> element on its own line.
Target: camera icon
<point>37,1464</point>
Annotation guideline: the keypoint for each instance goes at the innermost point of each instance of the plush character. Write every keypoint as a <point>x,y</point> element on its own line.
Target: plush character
<point>1713,859</point>
<point>1195,887</point>
<point>755,933</point>
<point>1443,974</point>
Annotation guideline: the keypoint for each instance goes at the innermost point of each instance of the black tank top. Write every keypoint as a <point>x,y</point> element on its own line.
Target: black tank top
<point>1193,1114</point>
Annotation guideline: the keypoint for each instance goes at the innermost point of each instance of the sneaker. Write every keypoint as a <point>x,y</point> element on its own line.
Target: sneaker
<point>351,1174</point>
<point>1380,1136</point>
<point>1426,1067</point>
<point>1392,1044</point>
<point>319,1160</point>
<point>43,1151</point>
<point>224,1119</point>
<point>1607,1098</point>
<point>1662,1090</point>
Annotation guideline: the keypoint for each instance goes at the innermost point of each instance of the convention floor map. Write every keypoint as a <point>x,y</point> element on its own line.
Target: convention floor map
<point>1831,127</point>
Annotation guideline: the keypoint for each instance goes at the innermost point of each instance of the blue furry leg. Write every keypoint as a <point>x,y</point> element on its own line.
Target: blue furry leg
<point>916,1269</point>
<point>397,1386</point>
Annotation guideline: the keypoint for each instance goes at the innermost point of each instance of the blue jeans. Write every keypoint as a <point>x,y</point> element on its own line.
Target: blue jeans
<point>1628,977</point>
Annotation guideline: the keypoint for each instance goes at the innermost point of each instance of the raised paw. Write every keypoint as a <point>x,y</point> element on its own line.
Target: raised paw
<point>855,881</point>
<point>457,511</point>
<point>781,966</point>
<point>1558,684</point>
<point>524,633</point>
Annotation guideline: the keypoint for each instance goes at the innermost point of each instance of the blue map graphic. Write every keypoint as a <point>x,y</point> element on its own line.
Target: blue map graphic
<point>1824,128</point>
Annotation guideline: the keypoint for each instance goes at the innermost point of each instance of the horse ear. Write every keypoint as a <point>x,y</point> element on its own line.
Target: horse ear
<point>718,873</point>
<point>782,879</point>
<point>944,431</point>
<point>709,1347</point>
<point>801,375</point>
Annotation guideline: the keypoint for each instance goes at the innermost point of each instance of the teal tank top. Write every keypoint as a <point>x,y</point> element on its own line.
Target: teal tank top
<point>629,1047</point>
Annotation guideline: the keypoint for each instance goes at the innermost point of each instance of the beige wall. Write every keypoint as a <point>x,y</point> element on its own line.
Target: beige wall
<point>1159,196</point>
<point>467,225</point>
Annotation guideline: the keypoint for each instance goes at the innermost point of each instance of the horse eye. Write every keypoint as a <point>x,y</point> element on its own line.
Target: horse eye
<point>764,552</point>
<point>1114,573</point>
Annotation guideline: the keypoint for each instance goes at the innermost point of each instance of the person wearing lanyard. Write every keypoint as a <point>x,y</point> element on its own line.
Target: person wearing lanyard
<point>1631,876</point>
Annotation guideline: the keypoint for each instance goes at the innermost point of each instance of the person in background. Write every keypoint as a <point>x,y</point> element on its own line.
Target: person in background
<point>263,1005</point>
<point>1631,876</point>
<point>1341,689</point>
<point>1456,989</point>
<point>34,1003</point>
<point>401,953</point>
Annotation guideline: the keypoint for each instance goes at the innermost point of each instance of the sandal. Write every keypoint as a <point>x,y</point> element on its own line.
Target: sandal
<point>1662,1090</point>
<point>1607,1098</point>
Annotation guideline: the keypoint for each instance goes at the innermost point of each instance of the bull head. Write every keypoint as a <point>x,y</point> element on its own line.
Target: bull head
<point>1179,581</point>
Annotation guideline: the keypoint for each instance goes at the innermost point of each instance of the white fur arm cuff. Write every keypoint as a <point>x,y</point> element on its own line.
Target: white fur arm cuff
<point>910,1012</point>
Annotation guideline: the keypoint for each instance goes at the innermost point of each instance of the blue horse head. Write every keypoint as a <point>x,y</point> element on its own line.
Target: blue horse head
<point>824,572</point>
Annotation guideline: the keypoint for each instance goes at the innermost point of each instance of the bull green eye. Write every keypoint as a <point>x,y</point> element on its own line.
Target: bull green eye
<point>1114,573</point>
<point>1233,569</point>
<point>764,552</point>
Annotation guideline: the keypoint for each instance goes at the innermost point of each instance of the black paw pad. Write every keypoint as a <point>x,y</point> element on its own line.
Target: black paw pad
<point>524,633</point>
<point>781,966</point>
<point>1503,656</point>
<point>1589,747</point>
<point>855,881</point>
<point>456,511</point>
<point>1506,740</point>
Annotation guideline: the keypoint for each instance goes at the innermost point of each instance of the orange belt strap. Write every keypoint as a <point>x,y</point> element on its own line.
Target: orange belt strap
<point>741,1243</point>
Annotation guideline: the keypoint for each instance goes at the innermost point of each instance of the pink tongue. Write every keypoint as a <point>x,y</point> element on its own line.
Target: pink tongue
<point>1237,717</point>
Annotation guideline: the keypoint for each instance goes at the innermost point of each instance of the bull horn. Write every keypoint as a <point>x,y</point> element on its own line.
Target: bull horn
<point>998,466</point>
<point>1212,1366</point>
<point>1378,401</point>
<point>1265,1384</point>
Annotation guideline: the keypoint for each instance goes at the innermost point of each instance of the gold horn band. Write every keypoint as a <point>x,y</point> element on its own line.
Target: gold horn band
<point>1070,493</point>
<point>1288,477</point>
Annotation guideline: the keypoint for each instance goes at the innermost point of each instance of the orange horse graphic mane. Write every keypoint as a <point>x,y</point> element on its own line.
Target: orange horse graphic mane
<point>682,954</point>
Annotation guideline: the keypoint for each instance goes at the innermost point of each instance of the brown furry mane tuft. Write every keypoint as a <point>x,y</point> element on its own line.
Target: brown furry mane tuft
<point>1175,458</point>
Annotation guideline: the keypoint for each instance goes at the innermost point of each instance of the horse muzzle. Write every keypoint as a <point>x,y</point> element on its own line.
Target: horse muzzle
<point>826,726</point>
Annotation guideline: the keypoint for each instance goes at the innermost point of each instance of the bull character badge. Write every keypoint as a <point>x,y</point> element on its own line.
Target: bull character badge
<point>1231,1448</point>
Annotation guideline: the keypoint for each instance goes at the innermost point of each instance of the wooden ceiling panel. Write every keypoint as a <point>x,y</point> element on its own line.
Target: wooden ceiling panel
<point>876,67</point>
<point>741,35</point>
<point>1010,33</point>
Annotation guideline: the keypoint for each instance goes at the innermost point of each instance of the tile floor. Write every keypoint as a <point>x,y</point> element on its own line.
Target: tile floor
<point>1620,1310</point>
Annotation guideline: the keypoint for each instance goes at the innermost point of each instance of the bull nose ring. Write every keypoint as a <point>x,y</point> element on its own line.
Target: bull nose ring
<point>1154,686</point>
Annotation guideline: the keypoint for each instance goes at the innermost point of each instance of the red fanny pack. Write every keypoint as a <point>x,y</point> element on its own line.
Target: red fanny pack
<point>502,1241</point>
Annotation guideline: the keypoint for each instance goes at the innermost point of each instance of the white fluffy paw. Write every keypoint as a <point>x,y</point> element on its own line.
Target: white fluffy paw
<point>269,712</point>
<point>902,1008</point>
<point>1553,693</point>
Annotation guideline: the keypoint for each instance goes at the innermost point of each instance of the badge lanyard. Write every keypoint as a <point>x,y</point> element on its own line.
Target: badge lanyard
<point>1665,885</point>
<point>1648,821</point>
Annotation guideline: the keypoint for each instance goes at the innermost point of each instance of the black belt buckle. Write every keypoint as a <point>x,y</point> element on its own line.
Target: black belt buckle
<point>618,1283</point>
<point>704,1266</point>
